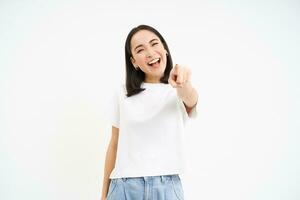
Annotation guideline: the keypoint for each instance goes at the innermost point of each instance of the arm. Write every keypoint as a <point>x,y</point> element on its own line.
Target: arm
<point>110,160</point>
<point>180,79</point>
<point>189,96</point>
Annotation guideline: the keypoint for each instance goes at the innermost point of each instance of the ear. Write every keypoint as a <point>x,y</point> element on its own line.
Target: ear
<point>133,62</point>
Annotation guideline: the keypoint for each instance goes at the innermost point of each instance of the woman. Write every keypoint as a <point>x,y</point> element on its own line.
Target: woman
<point>146,153</point>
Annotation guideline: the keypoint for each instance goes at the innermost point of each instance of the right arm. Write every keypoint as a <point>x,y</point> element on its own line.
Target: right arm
<point>110,160</point>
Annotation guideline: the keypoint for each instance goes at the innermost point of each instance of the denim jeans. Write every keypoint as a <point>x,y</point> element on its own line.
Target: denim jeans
<point>167,187</point>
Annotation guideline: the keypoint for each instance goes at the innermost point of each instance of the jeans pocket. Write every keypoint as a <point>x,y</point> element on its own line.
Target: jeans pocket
<point>112,186</point>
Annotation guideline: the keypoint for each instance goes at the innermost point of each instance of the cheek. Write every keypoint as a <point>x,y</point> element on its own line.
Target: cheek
<point>139,59</point>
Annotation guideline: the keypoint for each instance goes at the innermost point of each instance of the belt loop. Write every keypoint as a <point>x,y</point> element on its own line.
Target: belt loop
<point>146,178</point>
<point>124,179</point>
<point>162,179</point>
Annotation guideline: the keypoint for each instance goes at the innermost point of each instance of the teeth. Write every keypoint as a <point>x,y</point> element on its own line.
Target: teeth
<point>153,61</point>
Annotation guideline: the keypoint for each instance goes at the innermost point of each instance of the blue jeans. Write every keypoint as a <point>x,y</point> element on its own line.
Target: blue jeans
<point>167,187</point>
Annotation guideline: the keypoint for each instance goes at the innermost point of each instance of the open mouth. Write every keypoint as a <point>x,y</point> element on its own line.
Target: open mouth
<point>154,63</point>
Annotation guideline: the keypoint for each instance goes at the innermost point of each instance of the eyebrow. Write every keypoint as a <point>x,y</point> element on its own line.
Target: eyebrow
<point>142,45</point>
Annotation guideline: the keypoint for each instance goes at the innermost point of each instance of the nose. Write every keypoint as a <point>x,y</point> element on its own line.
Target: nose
<point>150,53</point>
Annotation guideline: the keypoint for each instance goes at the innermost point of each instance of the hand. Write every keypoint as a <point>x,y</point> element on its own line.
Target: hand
<point>180,79</point>
<point>179,76</point>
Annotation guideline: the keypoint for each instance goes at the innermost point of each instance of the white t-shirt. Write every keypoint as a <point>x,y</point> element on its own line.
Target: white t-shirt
<point>151,131</point>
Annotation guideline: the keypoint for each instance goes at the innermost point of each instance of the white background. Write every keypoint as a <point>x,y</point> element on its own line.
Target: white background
<point>59,61</point>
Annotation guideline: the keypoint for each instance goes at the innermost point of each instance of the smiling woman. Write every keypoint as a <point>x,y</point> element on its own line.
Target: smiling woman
<point>144,45</point>
<point>152,50</point>
<point>149,55</point>
<point>145,157</point>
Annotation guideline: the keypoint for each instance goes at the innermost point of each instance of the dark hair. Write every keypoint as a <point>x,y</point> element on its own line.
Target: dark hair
<point>134,78</point>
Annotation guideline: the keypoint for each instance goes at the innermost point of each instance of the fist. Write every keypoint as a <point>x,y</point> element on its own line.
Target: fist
<point>179,76</point>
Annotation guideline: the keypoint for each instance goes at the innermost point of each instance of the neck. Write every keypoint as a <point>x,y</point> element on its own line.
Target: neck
<point>152,80</point>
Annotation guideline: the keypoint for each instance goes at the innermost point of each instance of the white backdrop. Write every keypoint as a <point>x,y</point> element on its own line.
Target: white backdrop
<point>59,61</point>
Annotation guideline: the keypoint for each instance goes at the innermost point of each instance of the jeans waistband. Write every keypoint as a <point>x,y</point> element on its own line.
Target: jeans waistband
<point>161,178</point>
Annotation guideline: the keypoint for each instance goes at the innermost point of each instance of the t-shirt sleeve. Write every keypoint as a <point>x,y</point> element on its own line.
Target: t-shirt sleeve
<point>113,109</point>
<point>192,114</point>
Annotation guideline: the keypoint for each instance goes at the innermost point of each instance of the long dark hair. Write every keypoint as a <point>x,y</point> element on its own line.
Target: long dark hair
<point>134,78</point>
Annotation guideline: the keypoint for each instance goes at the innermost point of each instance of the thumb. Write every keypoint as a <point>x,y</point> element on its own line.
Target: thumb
<point>176,69</point>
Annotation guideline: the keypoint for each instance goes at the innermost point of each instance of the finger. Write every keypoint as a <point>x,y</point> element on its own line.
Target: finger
<point>176,69</point>
<point>172,82</point>
<point>188,76</point>
<point>172,78</point>
<point>172,74</point>
<point>180,76</point>
<point>184,75</point>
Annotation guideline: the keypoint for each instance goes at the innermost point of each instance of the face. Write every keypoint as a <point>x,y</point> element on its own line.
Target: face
<point>149,55</point>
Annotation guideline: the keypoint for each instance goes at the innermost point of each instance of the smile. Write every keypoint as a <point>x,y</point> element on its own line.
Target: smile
<point>154,63</point>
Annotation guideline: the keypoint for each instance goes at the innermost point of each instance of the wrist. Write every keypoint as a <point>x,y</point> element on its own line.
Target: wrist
<point>185,91</point>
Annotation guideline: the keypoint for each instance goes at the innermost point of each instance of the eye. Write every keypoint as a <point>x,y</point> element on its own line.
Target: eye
<point>155,43</point>
<point>140,50</point>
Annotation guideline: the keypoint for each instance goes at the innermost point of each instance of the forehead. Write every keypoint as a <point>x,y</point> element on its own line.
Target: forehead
<point>142,37</point>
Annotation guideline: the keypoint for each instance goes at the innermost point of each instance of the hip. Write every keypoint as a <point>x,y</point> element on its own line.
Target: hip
<point>167,187</point>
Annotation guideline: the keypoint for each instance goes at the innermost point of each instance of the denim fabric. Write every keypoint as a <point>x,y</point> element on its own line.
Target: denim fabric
<point>167,187</point>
